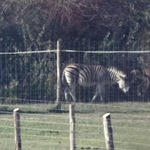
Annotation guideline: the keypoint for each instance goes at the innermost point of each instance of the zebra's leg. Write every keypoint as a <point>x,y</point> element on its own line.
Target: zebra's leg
<point>99,91</point>
<point>95,95</point>
<point>72,92</point>
<point>66,92</point>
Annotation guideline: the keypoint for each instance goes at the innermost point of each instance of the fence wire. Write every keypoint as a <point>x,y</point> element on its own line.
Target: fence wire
<point>28,82</point>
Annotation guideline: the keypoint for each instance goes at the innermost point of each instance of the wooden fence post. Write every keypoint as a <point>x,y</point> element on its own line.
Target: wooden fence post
<point>108,133</point>
<point>72,127</point>
<point>16,116</point>
<point>58,96</point>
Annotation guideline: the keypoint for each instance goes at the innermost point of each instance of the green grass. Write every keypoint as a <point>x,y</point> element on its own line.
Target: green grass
<point>43,129</point>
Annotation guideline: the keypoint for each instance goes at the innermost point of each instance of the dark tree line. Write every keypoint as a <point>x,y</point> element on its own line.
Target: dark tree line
<point>34,21</point>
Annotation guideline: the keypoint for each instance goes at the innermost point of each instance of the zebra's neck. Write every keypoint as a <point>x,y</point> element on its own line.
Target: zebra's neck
<point>114,73</point>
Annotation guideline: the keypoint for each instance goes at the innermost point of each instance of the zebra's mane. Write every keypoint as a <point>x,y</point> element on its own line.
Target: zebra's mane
<point>119,72</point>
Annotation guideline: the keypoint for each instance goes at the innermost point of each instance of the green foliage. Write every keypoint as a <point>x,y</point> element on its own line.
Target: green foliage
<point>30,77</point>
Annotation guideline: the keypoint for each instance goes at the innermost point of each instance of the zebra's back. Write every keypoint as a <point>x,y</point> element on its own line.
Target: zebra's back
<point>84,75</point>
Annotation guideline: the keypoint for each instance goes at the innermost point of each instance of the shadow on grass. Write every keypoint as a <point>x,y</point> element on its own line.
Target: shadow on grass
<point>4,109</point>
<point>9,110</point>
<point>79,108</point>
<point>57,111</point>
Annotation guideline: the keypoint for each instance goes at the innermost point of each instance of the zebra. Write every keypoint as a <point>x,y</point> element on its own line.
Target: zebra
<point>92,75</point>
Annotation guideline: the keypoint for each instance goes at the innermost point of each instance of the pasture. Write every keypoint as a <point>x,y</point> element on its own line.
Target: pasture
<point>43,129</point>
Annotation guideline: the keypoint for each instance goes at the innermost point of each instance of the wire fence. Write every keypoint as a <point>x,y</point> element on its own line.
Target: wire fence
<point>44,130</point>
<point>29,82</point>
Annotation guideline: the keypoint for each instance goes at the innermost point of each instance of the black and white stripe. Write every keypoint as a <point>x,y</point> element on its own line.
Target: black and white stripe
<point>92,75</point>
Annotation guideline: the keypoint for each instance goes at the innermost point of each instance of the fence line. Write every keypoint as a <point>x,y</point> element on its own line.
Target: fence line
<point>87,135</point>
<point>47,123</point>
<point>72,131</point>
<point>58,62</point>
<point>76,51</point>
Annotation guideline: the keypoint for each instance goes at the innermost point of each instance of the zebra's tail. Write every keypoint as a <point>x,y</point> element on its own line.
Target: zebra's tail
<point>63,78</point>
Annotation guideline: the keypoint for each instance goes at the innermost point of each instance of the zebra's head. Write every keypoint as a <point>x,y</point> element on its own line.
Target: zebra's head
<point>123,83</point>
<point>120,78</point>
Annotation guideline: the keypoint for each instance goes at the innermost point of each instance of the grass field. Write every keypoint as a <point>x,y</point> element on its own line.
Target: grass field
<point>42,129</point>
